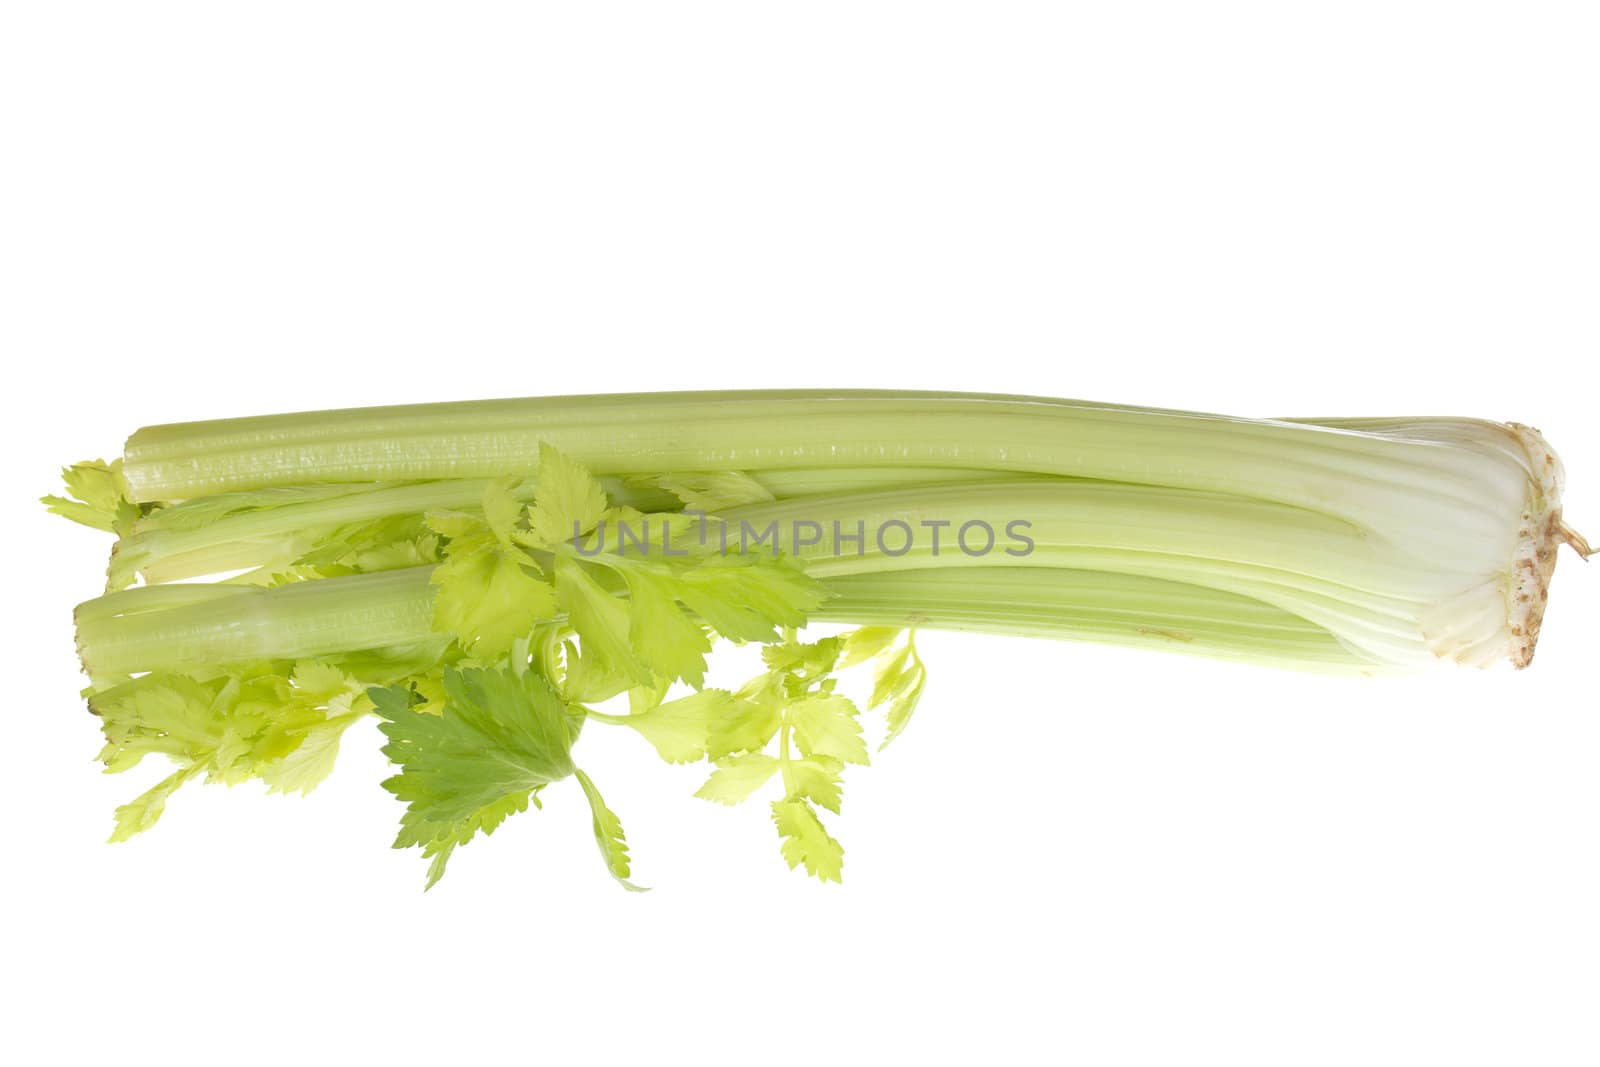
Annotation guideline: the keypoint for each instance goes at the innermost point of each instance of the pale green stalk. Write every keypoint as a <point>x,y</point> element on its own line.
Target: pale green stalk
<point>121,634</point>
<point>1369,590</point>
<point>1118,609</point>
<point>267,530</point>
<point>1409,539</point>
<point>193,626</point>
<point>1398,474</point>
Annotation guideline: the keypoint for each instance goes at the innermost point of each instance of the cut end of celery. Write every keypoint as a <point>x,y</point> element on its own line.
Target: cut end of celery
<point>1541,535</point>
<point>1499,619</point>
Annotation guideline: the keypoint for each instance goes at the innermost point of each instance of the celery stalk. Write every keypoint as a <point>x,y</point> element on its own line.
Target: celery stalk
<point>120,634</point>
<point>268,529</point>
<point>139,630</point>
<point>460,571</point>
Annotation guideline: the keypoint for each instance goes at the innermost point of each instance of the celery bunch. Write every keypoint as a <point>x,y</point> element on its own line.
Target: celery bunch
<point>482,576</point>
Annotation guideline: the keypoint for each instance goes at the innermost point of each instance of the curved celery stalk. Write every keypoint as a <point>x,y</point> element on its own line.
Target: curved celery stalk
<point>1108,608</point>
<point>145,630</point>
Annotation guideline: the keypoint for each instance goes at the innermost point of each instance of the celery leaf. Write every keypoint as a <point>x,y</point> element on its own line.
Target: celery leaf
<point>748,727</point>
<point>488,599</point>
<point>682,729</point>
<point>712,491</point>
<point>736,777</point>
<point>898,683</point>
<point>253,724</point>
<point>608,835</point>
<point>747,598</point>
<point>489,593</point>
<point>141,813</point>
<point>667,640</point>
<point>805,841</point>
<point>826,725</point>
<point>501,736</point>
<point>817,778</point>
<point>867,643</point>
<point>603,622</point>
<point>98,497</point>
<point>567,503</point>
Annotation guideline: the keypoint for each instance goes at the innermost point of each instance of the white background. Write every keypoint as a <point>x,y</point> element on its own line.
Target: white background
<point>1077,854</point>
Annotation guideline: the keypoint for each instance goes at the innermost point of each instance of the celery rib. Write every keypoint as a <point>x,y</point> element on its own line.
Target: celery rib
<point>269,529</point>
<point>1368,478</point>
<point>150,630</point>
